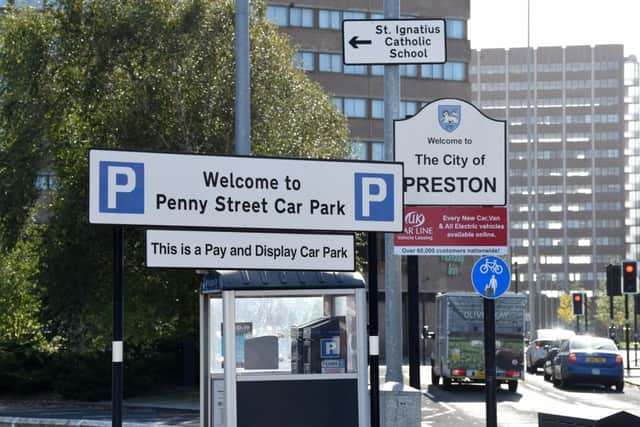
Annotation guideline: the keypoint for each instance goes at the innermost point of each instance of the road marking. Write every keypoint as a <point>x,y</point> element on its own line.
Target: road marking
<point>448,408</point>
<point>532,387</point>
<point>429,395</point>
<point>557,396</point>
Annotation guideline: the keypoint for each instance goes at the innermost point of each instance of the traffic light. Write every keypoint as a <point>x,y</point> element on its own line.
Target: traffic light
<point>578,300</point>
<point>614,284</point>
<point>629,277</point>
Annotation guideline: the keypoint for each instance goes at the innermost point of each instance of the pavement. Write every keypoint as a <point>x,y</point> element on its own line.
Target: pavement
<point>177,408</point>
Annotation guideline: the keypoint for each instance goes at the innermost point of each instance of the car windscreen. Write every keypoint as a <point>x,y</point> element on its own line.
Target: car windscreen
<point>590,343</point>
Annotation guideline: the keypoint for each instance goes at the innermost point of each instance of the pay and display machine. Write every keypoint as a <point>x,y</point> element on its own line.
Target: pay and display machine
<point>304,360</point>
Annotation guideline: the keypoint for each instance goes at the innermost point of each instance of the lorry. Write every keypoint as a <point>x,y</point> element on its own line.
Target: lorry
<point>458,348</point>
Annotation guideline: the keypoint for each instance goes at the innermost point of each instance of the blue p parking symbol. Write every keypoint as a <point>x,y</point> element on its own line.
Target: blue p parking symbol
<point>374,197</point>
<point>330,348</point>
<point>121,187</point>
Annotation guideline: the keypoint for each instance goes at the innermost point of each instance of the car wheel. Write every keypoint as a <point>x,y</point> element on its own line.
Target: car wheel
<point>620,386</point>
<point>513,386</point>
<point>547,377</point>
<point>446,381</point>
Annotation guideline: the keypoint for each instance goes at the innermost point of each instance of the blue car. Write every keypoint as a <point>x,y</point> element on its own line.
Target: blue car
<point>588,360</point>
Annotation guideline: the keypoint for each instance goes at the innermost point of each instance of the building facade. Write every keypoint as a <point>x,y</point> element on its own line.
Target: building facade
<point>569,114</point>
<point>314,28</point>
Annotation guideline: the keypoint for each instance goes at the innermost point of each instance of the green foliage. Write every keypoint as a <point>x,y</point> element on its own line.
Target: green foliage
<point>20,302</point>
<point>138,75</point>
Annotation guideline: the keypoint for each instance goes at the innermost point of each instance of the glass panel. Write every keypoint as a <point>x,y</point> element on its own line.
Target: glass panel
<point>355,107</point>
<point>338,102</point>
<point>377,70</point>
<point>377,109</point>
<point>437,71</point>
<point>355,69</point>
<point>455,29</point>
<point>304,61</point>
<point>459,71</point>
<point>279,15</point>
<point>377,151</point>
<point>289,334</point>
<point>448,71</point>
<point>354,15</point>
<point>300,17</point>
<point>427,71</point>
<point>359,150</point>
<point>409,70</point>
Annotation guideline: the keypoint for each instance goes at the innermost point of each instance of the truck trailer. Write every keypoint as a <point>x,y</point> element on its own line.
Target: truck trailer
<point>458,350</point>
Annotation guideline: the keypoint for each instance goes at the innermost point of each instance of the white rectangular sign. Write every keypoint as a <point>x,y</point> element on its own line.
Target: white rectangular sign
<point>453,154</point>
<point>250,251</point>
<point>192,190</point>
<point>402,41</point>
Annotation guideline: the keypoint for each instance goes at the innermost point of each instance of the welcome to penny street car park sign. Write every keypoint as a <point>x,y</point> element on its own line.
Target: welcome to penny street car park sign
<point>453,155</point>
<point>191,190</point>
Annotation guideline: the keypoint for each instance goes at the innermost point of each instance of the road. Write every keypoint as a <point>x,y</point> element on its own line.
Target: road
<point>465,404</point>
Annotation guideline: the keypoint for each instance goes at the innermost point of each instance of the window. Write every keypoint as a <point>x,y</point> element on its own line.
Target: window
<point>279,15</point>
<point>330,19</point>
<point>408,108</point>
<point>377,109</point>
<point>377,70</point>
<point>299,17</point>
<point>455,71</point>
<point>46,182</point>
<point>355,107</point>
<point>339,103</point>
<point>304,61</point>
<point>377,151</point>
<point>330,62</point>
<point>432,71</point>
<point>455,29</point>
<point>359,150</point>
<point>355,69</point>
<point>410,70</point>
<point>347,14</point>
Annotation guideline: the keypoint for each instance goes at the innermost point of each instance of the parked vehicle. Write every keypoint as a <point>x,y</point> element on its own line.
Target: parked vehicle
<point>588,360</point>
<point>537,351</point>
<point>458,350</point>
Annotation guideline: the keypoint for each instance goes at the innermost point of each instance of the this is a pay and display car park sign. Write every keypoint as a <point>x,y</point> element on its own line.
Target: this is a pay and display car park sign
<point>192,190</point>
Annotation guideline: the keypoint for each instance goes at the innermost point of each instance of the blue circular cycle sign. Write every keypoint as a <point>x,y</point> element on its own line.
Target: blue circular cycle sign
<point>491,277</point>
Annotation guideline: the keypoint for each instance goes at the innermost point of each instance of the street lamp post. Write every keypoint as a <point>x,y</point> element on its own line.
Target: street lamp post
<point>516,270</point>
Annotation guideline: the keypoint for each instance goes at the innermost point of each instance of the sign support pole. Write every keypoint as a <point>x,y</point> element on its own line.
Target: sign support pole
<point>490,361</point>
<point>374,354</point>
<point>413,320</point>
<point>392,270</point>
<point>243,86</point>
<point>118,303</point>
<point>626,331</point>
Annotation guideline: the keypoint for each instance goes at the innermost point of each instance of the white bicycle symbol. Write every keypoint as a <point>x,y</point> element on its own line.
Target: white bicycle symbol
<point>492,266</point>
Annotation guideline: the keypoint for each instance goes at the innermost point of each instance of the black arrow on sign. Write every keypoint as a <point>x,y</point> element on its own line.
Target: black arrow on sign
<point>355,42</point>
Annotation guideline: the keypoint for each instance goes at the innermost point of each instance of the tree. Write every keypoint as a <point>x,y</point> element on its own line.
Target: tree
<point>139,75</point>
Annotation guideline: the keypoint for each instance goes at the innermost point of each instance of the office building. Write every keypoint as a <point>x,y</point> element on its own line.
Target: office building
<point>569,112</point>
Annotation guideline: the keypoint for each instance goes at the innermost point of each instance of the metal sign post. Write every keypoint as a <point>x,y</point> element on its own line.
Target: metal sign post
<point>491,278</point>
<point>490,361</point>
<point>117,310</point>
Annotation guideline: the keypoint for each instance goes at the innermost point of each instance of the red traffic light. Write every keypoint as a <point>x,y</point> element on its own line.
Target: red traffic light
<point>629,268</point>
<point>577,297</point>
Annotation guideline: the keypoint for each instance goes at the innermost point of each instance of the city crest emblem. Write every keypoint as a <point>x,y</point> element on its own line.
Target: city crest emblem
<point>449,117</point>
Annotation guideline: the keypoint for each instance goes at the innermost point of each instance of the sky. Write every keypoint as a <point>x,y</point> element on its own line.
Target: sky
<point>503,23</point>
